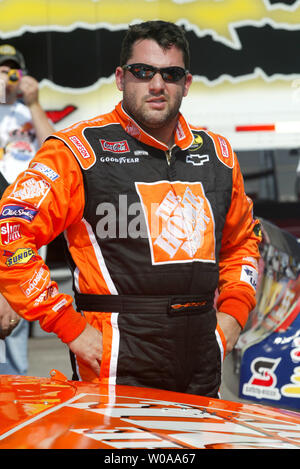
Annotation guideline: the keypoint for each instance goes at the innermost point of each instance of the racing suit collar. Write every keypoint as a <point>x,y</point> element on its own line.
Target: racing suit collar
<point>183,135</point>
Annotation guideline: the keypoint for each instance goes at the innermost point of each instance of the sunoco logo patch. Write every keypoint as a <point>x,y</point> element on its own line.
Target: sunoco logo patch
<point>20,256</point>
<point>197,143</point>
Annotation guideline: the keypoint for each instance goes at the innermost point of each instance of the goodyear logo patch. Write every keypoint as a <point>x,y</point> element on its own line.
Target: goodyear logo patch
<point>20,256</point>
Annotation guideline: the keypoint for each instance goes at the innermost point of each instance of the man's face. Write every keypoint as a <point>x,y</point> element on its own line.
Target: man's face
<point>153,103</point>
<point>11,88</point>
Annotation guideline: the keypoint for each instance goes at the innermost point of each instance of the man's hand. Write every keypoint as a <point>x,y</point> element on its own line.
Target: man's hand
<point>9,319</point>
<point>230,328</point>
<point>29,88</point>
<point>88,346</point>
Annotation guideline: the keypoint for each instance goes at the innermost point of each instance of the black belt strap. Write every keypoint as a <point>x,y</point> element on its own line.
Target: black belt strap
<point>144,304</point>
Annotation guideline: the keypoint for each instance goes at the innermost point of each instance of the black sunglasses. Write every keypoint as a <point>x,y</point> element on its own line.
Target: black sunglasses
<point>147,72</point>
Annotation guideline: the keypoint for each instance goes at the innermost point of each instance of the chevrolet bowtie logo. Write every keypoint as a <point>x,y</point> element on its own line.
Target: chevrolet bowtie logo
<point>197,160</point>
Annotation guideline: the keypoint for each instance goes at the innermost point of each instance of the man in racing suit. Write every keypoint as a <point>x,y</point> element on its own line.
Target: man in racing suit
<point>155,218</point>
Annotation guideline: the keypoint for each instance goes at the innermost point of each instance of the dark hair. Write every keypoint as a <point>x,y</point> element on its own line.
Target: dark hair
<point>164,33</point>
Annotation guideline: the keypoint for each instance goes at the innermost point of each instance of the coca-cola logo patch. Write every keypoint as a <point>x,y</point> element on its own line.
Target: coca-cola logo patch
<point>115,147</point>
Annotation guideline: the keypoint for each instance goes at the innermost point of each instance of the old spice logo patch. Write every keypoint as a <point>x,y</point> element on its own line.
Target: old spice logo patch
<point>9,232</point>
<point>115,147</point>
<point>180,221</point>
<point>18,211</point>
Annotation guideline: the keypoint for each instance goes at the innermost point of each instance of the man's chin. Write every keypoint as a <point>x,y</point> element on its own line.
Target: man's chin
<point>156,119</point>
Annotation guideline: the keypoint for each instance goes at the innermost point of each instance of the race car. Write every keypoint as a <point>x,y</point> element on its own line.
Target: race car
<point>265,364</point>
<point>57,413</point>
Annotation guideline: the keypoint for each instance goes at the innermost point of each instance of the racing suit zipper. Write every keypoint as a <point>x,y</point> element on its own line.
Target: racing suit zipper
<point>168,156</point>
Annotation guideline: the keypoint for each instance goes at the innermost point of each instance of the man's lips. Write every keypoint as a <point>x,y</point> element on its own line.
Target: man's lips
<point>157,103</point>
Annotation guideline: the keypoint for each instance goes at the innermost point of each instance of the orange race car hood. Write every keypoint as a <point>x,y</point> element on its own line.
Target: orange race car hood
<point>53,413</point>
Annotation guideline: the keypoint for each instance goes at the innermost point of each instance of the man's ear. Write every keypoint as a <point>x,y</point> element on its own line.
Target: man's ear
<point>119,74</point>
<point>188,82</point>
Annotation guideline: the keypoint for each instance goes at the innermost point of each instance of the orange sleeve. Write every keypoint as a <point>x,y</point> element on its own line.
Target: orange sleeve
<point>42,202</point>
<point>239,254</point>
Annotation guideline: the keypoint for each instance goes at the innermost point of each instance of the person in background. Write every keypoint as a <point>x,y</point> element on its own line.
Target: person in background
<point>156,220</point>
<point>23,128</point>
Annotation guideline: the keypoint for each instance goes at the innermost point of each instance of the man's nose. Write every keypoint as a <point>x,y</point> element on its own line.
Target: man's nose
<point>157,82</point>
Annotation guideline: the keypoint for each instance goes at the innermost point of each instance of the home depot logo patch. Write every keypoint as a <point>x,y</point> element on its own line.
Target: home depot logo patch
<point>179,220</point>
<point>32,190</point>
<point>36,283</point>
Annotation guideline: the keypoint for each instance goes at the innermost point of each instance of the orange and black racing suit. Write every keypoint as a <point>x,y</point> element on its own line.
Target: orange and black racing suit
<point>151,235</point>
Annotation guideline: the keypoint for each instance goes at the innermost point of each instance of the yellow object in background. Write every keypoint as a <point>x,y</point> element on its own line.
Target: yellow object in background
<point>14,76</point>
